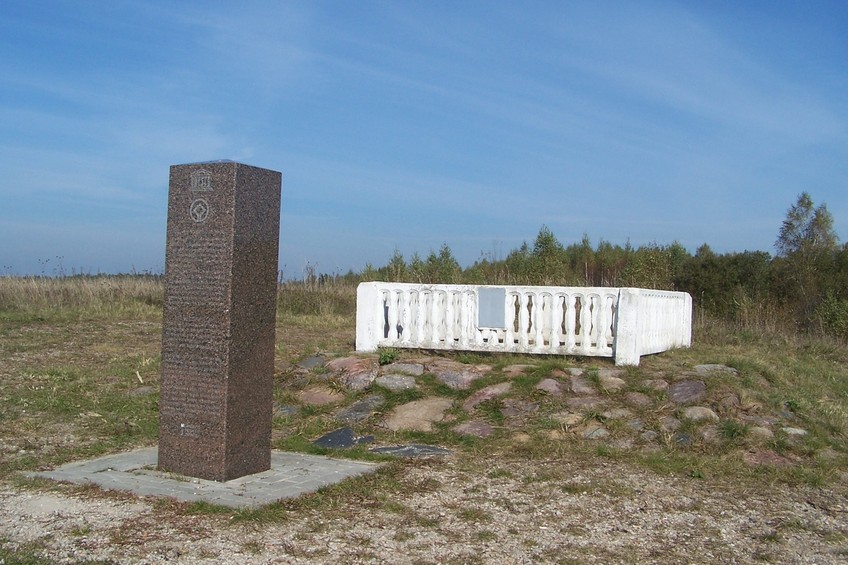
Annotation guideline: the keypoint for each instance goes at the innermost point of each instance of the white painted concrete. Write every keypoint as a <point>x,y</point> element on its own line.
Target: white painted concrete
<point>623,323</point>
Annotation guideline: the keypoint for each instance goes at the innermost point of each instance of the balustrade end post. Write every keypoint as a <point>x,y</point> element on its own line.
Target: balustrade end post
<point>687,320</point>
<point>369,317</point>
<point>627,328</point>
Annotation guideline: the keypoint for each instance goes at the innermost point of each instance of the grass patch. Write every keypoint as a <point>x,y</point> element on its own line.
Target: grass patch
<point>22,554</point>
<point>474,515</point>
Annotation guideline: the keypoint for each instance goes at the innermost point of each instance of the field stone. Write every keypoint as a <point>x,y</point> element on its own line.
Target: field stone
<point>516,408</point>
<point>485,394</point>
<point>611,383</point>
<point>617,414</point>
<point>341,438</point>
<point>658,385</point>
<point>796,432</point>
<point>585,403</point>
<point>458,376</point>
<point>687,392</point>
<point>361,409</point>
<point>759,457</point>
<point>567,418</point>
<point>760,434</point>
<point>359,381</point>
<point>351,365</point>
<point>475,428</point>
<point>610,373</point>
<point>285,410</point>
<point>682,439</point>
<point>550,386</point>
<point>418,415</point>
<point>729,402</point>
<point>516,370</point>
<point>395,382</point>
<point>649,436</point>
<point>595,430</point>
<point>638,399</point>
<point>579,385</point>
<point>413,369</point>
<point>669,424</point>
<point>312,362</point>
<point>758,420</point>
<point>319,396</point>
<point>355,372</point>
<point>700,414</point>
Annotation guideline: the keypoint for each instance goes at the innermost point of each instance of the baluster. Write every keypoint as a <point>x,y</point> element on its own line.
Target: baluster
<point>538,321</point>
<point>403,321</point>
<point>610,308</point>
<point>556,321</point>
<point>466,331</point>
<point>449,321</point>
<point>458,316</point>
<point>524,320</point>
<point>393,316</point>
<point>586,324</point>
<point>384,314</point>
<point>412,331</point>
<point>570,322</point>
<point>441,317</point>
<point>478,336</point>
<point>600,315</point>
<point>509,316</point>
<point>425,328</point>
<point>548,302</point>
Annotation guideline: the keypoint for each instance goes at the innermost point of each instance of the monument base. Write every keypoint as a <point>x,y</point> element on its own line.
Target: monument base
<point>290,475</point>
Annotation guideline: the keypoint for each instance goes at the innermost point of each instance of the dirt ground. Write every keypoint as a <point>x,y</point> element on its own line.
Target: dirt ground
<point>446,511</point>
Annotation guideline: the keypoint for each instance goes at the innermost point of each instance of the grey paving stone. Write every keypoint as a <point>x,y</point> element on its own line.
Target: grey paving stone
<point>411,450</point>
<point>291,475</point>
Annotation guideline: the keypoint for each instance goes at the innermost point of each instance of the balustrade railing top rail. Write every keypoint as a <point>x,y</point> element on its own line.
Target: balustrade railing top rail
<point>623,323</point>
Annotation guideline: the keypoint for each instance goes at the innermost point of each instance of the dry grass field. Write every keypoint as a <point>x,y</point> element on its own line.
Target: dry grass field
<point>79,373</point>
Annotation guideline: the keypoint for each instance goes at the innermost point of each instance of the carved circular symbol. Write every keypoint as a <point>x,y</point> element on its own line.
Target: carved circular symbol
<point>199,210</point>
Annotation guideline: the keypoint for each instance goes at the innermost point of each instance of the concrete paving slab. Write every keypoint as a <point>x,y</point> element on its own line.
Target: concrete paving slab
<point>291,475</point>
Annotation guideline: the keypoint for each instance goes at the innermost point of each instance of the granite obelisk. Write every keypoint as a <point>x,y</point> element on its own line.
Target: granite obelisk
<point>219,320</point>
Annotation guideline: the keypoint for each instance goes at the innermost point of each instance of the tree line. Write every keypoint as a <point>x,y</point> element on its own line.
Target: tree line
<point>804,286</point>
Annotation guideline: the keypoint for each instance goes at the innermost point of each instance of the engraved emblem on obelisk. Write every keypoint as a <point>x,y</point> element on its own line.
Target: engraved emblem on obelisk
<point>201,181</point>
<point>199,210</point>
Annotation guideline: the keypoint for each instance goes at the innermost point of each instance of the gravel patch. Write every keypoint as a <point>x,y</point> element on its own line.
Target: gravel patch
<point>518,512</point>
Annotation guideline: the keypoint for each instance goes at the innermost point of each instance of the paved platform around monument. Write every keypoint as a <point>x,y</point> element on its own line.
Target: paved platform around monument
<point>291,475</point>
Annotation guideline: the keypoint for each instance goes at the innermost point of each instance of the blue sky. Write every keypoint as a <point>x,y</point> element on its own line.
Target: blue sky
<point>412,124</point>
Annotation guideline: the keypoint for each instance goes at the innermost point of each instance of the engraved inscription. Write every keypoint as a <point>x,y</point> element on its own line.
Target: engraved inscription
<point>201,181</point>
<point>199,210</point>
<point>196,403</point>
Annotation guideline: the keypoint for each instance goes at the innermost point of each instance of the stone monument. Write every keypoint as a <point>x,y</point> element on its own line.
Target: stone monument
<point>219,318</point>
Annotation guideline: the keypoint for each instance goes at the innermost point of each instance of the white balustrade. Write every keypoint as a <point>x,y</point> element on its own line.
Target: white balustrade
<point>623,323</point>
